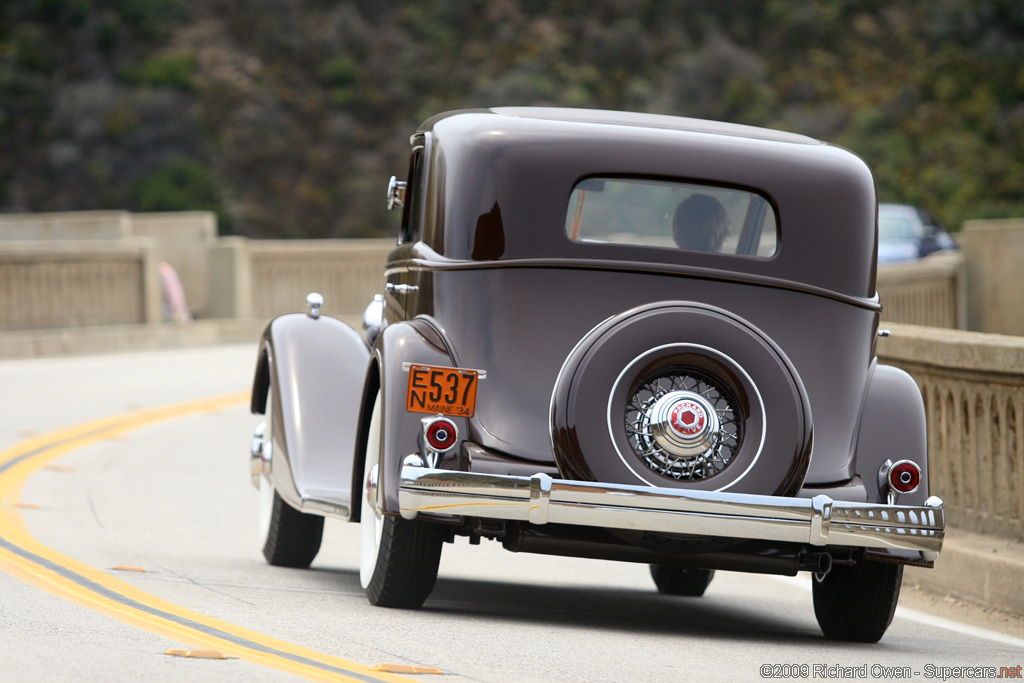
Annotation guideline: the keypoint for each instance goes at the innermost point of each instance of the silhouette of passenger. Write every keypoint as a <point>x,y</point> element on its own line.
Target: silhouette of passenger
<point>700,223</point>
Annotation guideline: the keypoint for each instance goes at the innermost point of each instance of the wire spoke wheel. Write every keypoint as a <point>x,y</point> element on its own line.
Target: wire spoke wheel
<point>683,424</point>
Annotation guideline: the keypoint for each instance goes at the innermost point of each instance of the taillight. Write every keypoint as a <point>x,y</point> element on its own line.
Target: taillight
<point>904,476</point>
<point>440,434</point>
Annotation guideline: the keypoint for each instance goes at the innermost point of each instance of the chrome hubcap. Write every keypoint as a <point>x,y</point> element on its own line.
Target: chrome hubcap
<point>683,425</point>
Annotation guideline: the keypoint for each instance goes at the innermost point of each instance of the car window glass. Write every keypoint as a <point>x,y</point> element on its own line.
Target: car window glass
<point>412,207</point>
<point>672,215</point>
<point>896,228</point>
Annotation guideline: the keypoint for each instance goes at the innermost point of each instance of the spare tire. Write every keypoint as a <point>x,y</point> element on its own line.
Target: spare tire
<point>681,395</point>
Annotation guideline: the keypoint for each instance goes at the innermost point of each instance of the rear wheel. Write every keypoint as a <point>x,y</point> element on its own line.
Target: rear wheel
<point>399,558</point>
<point>684,581</point>
<point>857,603</point>
<point>290,538</point>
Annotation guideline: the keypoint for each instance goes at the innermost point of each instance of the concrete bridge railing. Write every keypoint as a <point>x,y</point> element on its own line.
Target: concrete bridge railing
<point>973,389</point>
<point>181,238</point>
<point>70,283</point>
<point>266,278</point>
<point>932,291</point>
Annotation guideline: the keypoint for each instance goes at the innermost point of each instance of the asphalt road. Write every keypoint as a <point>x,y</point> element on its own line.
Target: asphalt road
<point>122,539</point>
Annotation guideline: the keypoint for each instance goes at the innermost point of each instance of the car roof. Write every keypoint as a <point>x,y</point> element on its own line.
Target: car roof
<point>642,120</point>
<point>520,164</point>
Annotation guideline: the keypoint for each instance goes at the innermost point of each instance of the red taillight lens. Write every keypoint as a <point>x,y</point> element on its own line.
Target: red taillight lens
<point>440,434</point>
<point>904,476</point>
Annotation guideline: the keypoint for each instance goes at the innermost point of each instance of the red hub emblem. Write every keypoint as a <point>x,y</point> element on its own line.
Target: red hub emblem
<point>687,418</point>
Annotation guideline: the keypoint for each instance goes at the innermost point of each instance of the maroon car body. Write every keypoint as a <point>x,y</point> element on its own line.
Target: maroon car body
<point>646,388</point>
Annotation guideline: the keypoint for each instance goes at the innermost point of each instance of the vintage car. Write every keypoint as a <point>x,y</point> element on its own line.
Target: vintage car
<point>609,335</point>
<point>908,232</point>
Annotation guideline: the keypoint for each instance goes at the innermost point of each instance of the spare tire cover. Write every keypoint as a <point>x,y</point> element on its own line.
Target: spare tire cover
<point>681,395</point>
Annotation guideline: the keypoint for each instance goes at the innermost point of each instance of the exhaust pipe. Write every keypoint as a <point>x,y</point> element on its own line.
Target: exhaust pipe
<point>818,563</point>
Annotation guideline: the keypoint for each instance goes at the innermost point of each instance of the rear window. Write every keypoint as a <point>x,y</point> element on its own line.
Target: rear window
<point>671,215</point>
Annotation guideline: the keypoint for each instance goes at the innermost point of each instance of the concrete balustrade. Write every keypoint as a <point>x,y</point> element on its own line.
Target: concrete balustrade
<point>994,251</point>
<point>184,239</point>
<point>74,284</point>
<point>347,272</point>
<point>973,387</point>
<point>267,278</point>
<point>181,238</point>
<point>66,225</point>
<point>932,291</point>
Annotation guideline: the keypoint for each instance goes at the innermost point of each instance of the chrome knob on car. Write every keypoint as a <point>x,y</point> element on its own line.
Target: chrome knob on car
<point>314,301</point>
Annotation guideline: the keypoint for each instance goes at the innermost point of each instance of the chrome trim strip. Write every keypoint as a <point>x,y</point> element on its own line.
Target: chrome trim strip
<point>324,507</point>
<point>540,499</point>
<point>480,374</point>
<point>400,289</point>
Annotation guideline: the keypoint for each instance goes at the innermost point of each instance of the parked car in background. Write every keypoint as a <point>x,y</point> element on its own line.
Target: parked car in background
<point>908,232</point>
<point>616,336</point>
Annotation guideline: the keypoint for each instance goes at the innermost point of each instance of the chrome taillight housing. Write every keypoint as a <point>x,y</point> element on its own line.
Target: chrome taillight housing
<point>894,478</point>
<point>905,476</point>
<point>440,435</point>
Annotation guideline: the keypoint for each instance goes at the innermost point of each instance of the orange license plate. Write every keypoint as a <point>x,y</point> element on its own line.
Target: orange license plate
<point>448,391</point>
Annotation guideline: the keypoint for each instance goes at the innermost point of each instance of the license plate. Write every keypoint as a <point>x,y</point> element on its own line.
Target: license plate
<point>448,391</point>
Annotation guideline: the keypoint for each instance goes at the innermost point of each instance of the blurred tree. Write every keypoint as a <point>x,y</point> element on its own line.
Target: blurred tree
<point>298,110</point>
<point>182,184</point>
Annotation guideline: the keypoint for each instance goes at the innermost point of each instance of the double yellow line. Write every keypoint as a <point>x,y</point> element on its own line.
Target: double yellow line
<point>27,559</point>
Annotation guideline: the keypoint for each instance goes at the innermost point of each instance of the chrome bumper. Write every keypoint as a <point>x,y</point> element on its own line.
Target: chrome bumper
<point>540,499</point>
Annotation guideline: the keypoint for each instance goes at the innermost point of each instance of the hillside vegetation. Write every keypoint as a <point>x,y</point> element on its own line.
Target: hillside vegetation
<point>288,116</point>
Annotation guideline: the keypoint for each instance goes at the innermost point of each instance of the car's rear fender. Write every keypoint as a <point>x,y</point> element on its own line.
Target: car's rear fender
<point>315,369</point>
<point>892,427</point>
<point>416,341</point>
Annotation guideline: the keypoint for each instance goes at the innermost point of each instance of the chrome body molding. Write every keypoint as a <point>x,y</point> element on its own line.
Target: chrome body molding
<point>400,289</point>
<point>373,318</point>
<point>322,505</point>
<point>540,499</point>
<point>258,454</point>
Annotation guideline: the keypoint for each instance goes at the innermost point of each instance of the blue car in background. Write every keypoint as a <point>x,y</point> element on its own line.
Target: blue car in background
<point>907,232</point>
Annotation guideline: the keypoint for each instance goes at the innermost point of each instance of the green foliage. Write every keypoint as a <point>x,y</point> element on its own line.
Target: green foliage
<point>121,120</point>
<point>73,12</point>
<point>182,184</point>
<point>342,75</point>
<point>108,32</point>
<point>28,48</point>
<point>171,70</point>
<point>153,18</point>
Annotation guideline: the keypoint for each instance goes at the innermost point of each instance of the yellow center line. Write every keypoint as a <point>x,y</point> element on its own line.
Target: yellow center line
<point>25,558</point>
